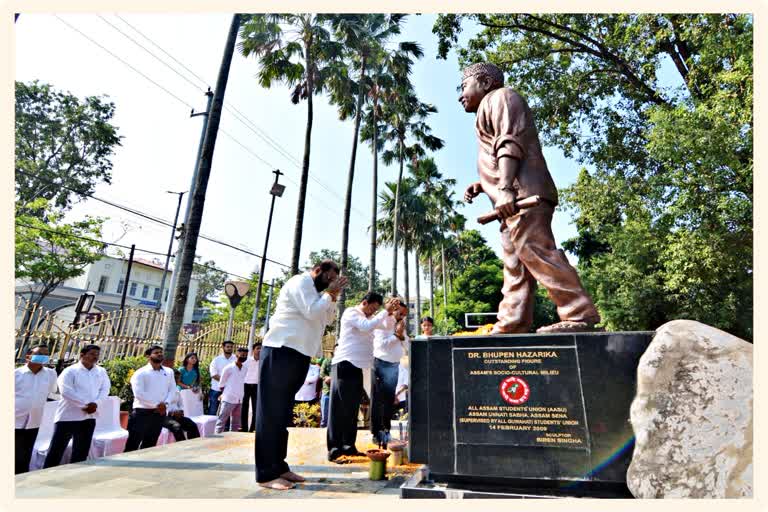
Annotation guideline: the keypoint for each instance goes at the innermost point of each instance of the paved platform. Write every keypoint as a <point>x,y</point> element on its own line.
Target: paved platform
<point>216,467</point>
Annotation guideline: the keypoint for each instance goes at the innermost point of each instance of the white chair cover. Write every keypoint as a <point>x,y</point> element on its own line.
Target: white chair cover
<point>44,435</point>
<point>109,438</point>
<point>192,403</point>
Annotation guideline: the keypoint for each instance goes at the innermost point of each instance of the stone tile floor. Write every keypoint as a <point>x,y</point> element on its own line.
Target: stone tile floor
<point>216,467</point>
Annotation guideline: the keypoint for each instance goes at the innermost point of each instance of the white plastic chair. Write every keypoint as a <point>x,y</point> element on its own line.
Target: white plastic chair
<point>192,404</point>
<point>109,438</point>
<point>44,436</point>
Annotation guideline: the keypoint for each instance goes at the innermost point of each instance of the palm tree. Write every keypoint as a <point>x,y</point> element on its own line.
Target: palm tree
<point>390,71</point>
<point>408,135</point>
<point>364,37</point>
<point>296,49</point>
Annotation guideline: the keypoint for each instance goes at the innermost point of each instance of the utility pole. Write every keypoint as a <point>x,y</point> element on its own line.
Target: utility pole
<point>269,305</point>
<point>276,191</point>
<point>170,246</point>
<point>197,198</point>
<point>127,277</point>
<point>125,289</point>
<point>176,263</point>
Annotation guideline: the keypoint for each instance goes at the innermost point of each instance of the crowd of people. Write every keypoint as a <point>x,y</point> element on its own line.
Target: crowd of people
<point>248,392</point>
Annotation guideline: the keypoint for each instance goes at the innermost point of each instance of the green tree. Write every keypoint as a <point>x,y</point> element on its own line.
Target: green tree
<point>296,49</point>
<point>63,145</point>
<point>357,273</point>
<point>665,212</point>
<point>210,280</point>
<point>408,136</point>
<point>364,37</point>
<point>50,251</point>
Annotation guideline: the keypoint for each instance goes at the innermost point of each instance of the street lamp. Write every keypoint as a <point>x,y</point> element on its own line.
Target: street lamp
<point>276,191</point>
<point>235,291</point>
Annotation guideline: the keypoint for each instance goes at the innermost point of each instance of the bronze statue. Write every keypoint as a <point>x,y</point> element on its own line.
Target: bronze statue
<point>514,175</point>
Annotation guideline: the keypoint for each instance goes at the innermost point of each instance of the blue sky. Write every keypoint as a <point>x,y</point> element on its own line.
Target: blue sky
<point>160,139</point>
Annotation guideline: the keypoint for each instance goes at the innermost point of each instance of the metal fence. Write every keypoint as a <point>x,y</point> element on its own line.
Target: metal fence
<point>121,333</point>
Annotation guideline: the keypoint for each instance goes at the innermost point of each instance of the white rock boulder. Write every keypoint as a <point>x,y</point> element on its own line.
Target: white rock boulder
<point>692,415</point>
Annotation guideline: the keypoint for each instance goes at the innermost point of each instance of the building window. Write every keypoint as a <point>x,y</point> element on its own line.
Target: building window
<point>103,280</point>
<point>145,292</point>
<point>132,290</point>
<point>120,285</point>
<point>156,296</point>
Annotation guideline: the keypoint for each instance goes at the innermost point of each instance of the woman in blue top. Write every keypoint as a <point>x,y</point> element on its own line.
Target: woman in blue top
<point>190,372</point>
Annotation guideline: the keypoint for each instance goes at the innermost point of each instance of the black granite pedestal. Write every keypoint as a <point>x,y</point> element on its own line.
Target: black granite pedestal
<point>523,415</point>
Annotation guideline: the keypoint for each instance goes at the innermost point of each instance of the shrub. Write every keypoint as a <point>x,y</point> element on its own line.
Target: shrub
<point>306,415</point>
<point>120,371</point>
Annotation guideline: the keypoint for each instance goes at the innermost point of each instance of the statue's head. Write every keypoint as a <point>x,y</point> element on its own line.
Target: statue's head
<point>477,81</point>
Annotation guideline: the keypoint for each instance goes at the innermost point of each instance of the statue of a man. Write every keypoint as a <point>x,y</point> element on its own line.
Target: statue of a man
<point>512,168</point>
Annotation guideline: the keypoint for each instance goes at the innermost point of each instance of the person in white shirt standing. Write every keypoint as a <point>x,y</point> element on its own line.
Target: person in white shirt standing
<point>305,305</point>
<point>403,382</point>
<point>153,389</point>
<point>390,343</point>
<point>250,390</point>
<point>33,383</point>
<point>215,369</point>
<point>308,391</point>
<point>81,386</point>
<point>232,388</point>
<point>354,353</point>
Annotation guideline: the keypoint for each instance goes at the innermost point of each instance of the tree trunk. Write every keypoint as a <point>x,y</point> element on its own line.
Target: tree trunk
<point>299,227</point>
<point>395,225</point>
<point>445,288</point>
<point>431,287</point>
<point>192,223</point>
<point>374,201</point>
<point>417,315</point>
<point>405,275</point>
<point>348,202</point>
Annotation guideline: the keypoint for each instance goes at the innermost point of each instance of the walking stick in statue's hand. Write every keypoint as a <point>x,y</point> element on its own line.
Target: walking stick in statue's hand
<point>522,204</point>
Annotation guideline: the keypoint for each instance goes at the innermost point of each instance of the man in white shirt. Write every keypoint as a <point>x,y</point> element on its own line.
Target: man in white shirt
<point>305,305</point>
<point>174,420</point>
<point>33,383</point>
<point>232,387</point>
<point>390,343</point>
<point>353,354</point>
<point>250,390</point>
<point>215,369</point>
<point>308,391</point>
<point>403,382</point>
<point>153,388</point>
<point>81,386</point>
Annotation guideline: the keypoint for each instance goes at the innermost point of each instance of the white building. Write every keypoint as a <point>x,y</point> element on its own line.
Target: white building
<point>106,278</point>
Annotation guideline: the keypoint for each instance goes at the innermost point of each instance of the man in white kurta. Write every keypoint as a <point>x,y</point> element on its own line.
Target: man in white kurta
<point>353,354</point>
<point>305,305</point>
<point>81,386</point>
<point>33,384</point>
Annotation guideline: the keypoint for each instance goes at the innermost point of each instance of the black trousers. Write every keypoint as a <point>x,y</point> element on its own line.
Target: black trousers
<point>346,394</point>
<point>178,426</point>
<point>25,441</point>
<point>283,371</point>
<point>144,427</point>
<point>81,434</point>
<point>250,396</point>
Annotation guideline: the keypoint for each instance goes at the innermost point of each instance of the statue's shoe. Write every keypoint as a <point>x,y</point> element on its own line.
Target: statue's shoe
<point>569,326</point>
<point>499,328</point>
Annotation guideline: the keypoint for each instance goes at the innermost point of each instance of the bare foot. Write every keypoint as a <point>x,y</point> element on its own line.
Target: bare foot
<point>292,477</point>
<point>568,326</point>
<point>278,484</point>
